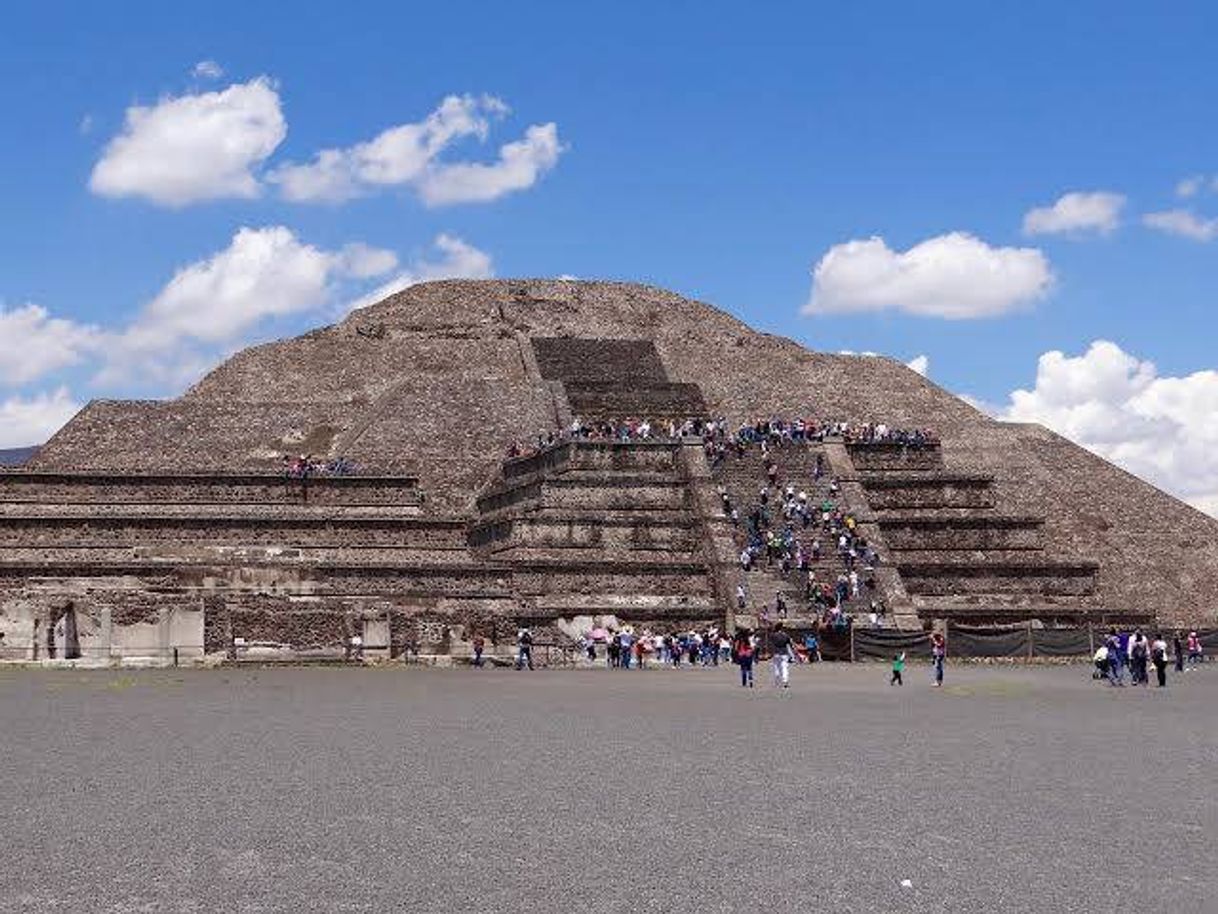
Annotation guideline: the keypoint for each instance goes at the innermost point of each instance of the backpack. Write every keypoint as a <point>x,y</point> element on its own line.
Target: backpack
<point>744,651</point>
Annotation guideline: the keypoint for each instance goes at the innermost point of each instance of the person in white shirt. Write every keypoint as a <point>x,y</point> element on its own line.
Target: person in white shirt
<point>1101,662</point>
<point>1158,656</point>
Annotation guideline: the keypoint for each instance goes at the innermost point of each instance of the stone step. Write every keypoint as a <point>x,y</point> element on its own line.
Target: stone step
<point>13,512</point>
<point>1061,578</point>
<point>990,531</point>
<point>880,457</point>
<point>235,554</point>
<point>658,557</point>
<point>235,488</point>
<point>127,530</point>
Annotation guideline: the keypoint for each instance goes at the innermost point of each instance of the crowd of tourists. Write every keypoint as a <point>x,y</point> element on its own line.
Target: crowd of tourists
<point>791,532</point>
<point>625,649</point>
<point>721,437</point>
<point>1136,653</point>
<point>306,466</point>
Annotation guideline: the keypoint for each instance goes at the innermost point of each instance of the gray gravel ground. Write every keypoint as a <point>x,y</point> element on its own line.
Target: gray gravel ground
<point>306,789</point>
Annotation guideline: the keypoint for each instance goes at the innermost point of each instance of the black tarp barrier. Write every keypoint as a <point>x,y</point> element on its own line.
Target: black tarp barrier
<point>884,644</point>
<point>834,643</point>
<point>969,641</point>
<point>1060,642</point>
<point>1209,641</point>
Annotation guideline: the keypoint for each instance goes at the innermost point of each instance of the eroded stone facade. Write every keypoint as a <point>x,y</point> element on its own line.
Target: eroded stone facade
<point>169,521</point>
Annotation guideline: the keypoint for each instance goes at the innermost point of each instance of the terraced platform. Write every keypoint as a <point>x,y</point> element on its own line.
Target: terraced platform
<point>144,525</point>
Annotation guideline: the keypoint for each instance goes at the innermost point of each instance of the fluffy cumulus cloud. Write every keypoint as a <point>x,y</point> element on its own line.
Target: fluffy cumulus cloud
<point>452,258</point>
<point>264,272</point>
<point>920,364</point>
<point>1183,223</point>
<point>33,344</point>
<point>518,167</point>
<point>409,155</point>
<point>195,147</point>
<point>220,302</point>
<point>954,276</point>
<point>1162,428</point>
<point>1076,213</point>
<point>32,420</point>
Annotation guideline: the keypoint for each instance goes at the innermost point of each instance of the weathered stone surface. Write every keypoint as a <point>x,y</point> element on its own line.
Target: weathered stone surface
<point>139,501</point>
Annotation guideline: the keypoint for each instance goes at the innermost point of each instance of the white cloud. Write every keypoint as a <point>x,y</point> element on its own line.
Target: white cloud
<point>1076,213</point>
<point>920,364</point>
<point>32,343</point>
<point>263,272</point>
<point>1183,223</point>
<point>1190,186</point>
<point>216,305</point>
<point>194,147</point>
<point>212,306</point>
<point>26,421</point>
<point>364,262</point>
<point>395,156</point>
<point>407,155</point>
<point>207,69</point>
<point>954,276</point>
<point>1164,429</point>
<point>519,166</point>
<point>457,260</point>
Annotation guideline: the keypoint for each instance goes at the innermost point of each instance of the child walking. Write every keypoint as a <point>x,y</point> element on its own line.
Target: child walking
<point>898,667</point>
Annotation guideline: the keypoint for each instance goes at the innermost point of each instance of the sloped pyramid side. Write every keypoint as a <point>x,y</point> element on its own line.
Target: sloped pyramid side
<point>440,378</point>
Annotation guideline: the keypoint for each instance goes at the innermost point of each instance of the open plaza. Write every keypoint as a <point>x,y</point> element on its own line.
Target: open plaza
<point>414,789</point>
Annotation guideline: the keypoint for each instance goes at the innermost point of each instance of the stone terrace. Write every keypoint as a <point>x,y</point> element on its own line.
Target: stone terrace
<point>168,515</point>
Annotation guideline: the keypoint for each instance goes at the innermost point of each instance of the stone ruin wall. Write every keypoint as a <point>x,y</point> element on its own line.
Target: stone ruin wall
<point>438,380</point>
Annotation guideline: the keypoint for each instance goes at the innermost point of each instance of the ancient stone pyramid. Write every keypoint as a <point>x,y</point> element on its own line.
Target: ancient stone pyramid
<point>175,513</point>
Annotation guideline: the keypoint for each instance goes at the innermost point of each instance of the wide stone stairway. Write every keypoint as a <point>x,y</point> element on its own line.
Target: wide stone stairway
<point>615,379</point>
<point>742,478</point>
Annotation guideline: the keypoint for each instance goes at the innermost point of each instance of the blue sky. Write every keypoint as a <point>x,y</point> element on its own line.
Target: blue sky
<point>721,150</point>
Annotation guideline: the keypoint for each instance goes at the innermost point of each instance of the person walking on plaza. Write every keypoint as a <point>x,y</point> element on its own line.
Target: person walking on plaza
<point>1194,650</point>
<point>524,649</point>
<point>743,653</point>
<point>898,666</point>
<point>1116,660</point>
<point>1139,657</point>
<point>1158,656</point>
<point>1178,649</point>
<point>479,645</point>
<point>938,654</point>
<point>780,644</point>
<point>625,645</point>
